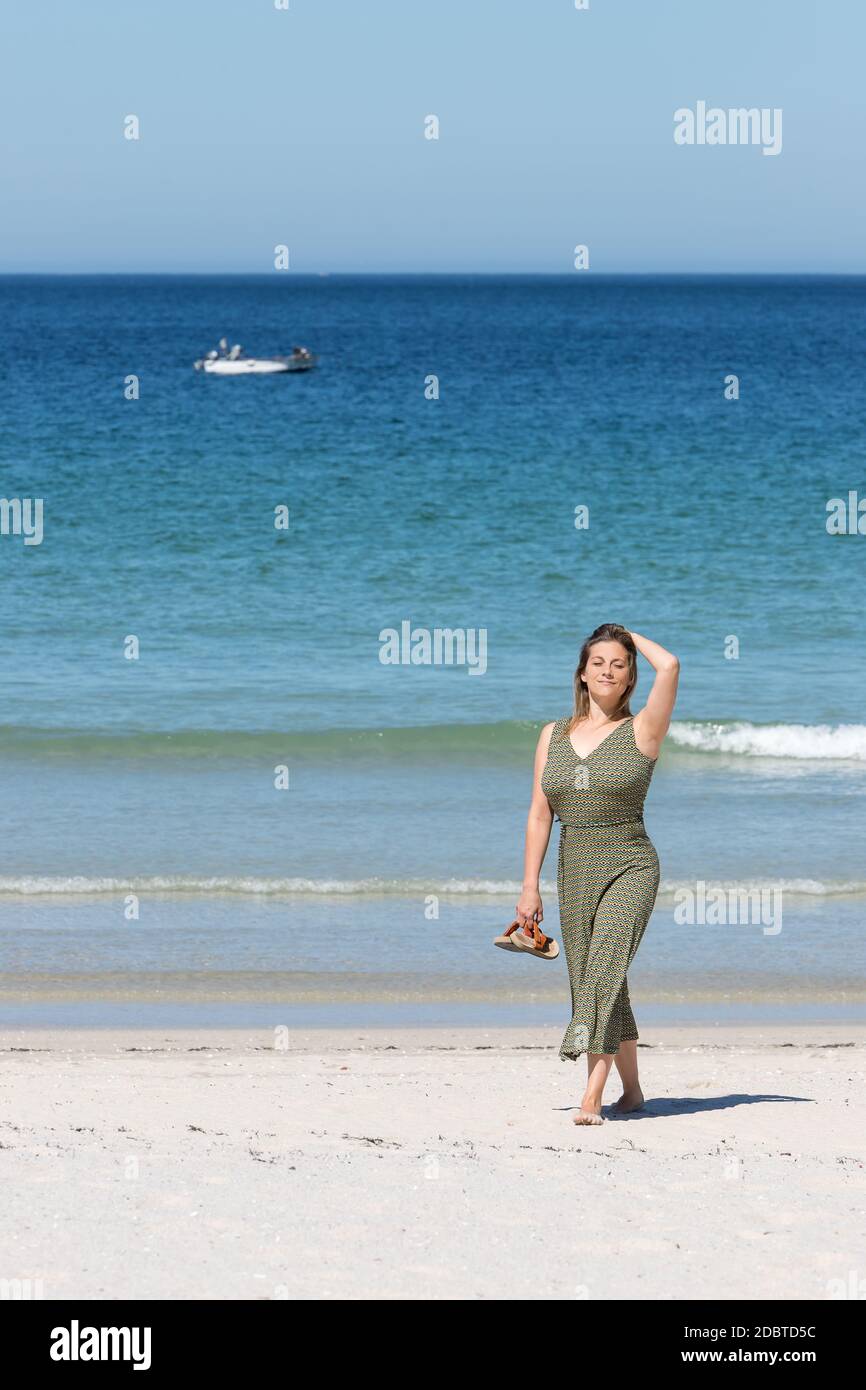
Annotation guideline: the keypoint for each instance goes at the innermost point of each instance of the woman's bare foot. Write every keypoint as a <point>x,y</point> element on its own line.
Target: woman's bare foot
<point>629,1100</point>
<point>590,1112</point>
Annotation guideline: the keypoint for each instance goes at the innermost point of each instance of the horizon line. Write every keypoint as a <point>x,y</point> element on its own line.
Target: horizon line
<point>429,274</point>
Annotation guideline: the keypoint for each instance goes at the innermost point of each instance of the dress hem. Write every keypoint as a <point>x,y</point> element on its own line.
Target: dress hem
<point>576,1053</point>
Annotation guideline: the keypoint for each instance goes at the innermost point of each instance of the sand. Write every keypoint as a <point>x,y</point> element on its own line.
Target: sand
<point>430,1164</point>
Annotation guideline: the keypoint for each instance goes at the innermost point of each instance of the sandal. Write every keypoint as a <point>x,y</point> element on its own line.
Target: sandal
<point>518,938</point>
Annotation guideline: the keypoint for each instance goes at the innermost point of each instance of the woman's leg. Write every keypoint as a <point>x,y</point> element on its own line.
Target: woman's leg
<point>626,1065</point>
<point>626,1058</point>
<point>597,1072</point>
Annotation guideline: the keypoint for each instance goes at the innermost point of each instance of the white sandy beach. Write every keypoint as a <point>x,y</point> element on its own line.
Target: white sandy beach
<point>430,1164</point>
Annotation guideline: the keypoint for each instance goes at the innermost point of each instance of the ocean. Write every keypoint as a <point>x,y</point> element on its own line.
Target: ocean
<point>256,820</point>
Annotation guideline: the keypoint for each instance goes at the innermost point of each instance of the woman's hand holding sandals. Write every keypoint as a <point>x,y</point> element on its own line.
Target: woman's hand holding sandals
<point>529,906</point>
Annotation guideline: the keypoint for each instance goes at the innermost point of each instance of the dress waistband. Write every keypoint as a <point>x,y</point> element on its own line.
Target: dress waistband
<point>600,824</point>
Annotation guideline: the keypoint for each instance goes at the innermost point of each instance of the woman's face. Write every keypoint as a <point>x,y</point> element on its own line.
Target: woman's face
<point>606,675</point>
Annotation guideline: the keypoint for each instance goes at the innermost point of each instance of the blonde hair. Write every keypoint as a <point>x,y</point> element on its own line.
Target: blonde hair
<point>608,632</point>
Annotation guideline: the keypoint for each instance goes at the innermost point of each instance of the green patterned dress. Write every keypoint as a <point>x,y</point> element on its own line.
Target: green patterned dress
<point>607,879</point>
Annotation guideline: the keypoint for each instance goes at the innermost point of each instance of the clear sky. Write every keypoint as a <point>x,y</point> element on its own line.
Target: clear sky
<point>305,126</point>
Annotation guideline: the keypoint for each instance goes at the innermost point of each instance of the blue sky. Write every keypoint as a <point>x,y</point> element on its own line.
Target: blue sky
<point>305,127</point>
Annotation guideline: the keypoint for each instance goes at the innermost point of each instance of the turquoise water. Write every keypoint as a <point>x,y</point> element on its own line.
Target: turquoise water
<point>408,785</point>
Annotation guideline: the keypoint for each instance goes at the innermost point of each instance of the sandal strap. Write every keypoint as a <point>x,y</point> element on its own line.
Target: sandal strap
<point>540,940</point>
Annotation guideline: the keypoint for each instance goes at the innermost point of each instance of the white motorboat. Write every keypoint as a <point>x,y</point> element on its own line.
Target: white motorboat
<point>226,361</point>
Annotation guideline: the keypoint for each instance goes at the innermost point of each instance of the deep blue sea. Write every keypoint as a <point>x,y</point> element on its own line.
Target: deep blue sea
<point>444,504</point>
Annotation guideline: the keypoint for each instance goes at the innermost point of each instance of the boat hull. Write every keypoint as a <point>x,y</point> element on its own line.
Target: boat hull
<point>253,366</point>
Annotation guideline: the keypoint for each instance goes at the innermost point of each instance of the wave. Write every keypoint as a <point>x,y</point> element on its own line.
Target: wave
<point>846,742</point>
<point>502,742</point>
<point>24,885</point>
<point>460,742</point>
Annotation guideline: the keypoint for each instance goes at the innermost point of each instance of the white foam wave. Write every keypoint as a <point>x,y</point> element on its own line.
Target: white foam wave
<point>79,886</point>
<point>797,741</point>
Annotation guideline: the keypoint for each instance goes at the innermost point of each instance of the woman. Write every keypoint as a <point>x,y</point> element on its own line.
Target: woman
<point>592,770</point>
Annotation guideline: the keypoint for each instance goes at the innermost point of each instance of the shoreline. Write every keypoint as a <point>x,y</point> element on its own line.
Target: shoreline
<point>390,1016</point>
<point>421,1037</point>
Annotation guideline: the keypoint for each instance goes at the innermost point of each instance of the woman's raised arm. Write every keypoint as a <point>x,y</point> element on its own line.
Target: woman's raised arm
<point>653,721</point>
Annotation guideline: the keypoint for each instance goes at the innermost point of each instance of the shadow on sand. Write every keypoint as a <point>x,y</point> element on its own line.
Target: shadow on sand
<point>691,1105</point>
